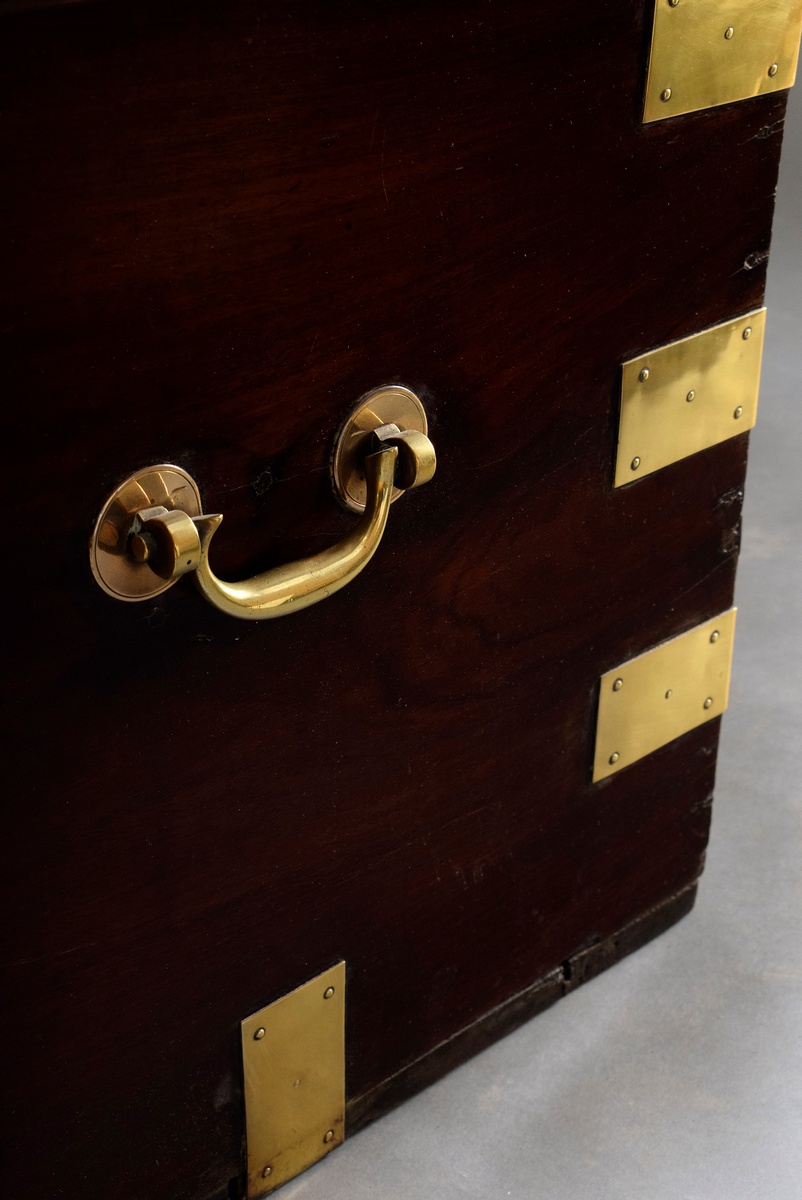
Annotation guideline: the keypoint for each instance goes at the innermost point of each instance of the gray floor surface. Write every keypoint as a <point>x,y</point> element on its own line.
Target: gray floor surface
<point>677,1075</point>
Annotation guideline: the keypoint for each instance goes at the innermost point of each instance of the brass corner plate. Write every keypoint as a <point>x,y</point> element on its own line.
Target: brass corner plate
<point>293,1056</point>
<point>710,52</point>
<point>688,395</point>
<point>647,702</point>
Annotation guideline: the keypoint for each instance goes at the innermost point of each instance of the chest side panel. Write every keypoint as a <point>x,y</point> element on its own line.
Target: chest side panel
<point>222,231</point>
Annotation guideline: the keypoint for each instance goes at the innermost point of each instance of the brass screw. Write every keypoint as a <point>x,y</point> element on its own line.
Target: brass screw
<point>328,1136</point>
<point>728,32</point>
<point>665,95</point>
<point>644,375</point>
<point>715,635</point>
<point>709,702</point>
<point>773,69</point>
<point>691,396</point>
<point>267,1171</point>
<point>619,683</point>
<point>669,694</point>
<point>329,992</point>
<point>635,463</point>
<point>747,333</point>
<point>260,1033</point>
<point>739,412</point>
<point>673,3</point>
<point>614,758</point>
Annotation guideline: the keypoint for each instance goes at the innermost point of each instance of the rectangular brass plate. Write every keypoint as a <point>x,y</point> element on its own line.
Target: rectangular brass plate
<point>689,395</point>
<point>710,52</point>
<point>650,700</point>
<point>294,1081</point>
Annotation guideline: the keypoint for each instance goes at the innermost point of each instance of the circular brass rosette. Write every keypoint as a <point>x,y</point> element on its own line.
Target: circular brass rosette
<point>117,567</point>
<point>391,405</point>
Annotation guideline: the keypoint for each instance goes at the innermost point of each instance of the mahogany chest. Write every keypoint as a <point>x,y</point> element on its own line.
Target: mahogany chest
<point>265,878</point>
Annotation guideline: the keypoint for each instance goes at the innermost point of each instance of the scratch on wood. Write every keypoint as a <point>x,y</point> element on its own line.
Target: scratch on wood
<point>768,131</point>
<point>387,202</point>
<point>41,958</point>
<point>755,260</point>
<point>697,583</point>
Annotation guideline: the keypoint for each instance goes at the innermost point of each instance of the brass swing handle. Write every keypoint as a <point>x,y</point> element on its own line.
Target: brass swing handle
<point>173,543</point>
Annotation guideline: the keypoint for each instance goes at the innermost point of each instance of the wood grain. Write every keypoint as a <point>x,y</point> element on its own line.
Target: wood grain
<point>223,225</point>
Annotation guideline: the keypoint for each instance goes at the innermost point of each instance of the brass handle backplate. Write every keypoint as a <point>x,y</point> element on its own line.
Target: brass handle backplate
<point>151,530</point>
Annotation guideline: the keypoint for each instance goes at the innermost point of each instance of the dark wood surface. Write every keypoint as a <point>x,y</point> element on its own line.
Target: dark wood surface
<point>581,967</point>
<point>223,224</point>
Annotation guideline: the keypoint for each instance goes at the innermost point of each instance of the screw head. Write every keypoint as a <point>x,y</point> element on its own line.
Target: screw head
<point>635,463</point>
<point>747,333</point>
<point>266,1171</point>
<point>669,694</point>
<point>773,69</point>
<point>739,412</point>
<point>709,702</point>
<point>259,1034</point>
<point>728,32</point>
<point>329,992</point>
<point>673,3</point>
<point>614,758</point>
<point>328,1136</point>
<point>619,683</point>
<point>715,635</point>
<point>644,375</point>
<point>665,95</point>
<point>691,396</point>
